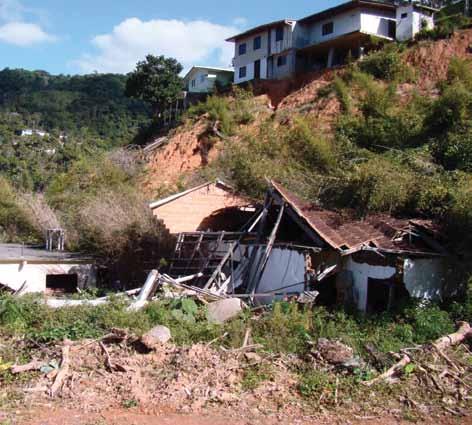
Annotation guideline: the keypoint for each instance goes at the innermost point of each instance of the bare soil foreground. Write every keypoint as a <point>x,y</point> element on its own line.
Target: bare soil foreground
<point>122,417</point>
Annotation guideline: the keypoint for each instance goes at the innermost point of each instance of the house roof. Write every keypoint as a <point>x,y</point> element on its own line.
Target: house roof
<point>208,68</point>
<point>345,233</point>
<point>260,28</point>
<point>162,202</point>
<point>328,13</point>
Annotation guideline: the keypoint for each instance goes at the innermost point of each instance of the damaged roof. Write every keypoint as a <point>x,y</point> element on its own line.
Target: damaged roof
<point>348,234</point>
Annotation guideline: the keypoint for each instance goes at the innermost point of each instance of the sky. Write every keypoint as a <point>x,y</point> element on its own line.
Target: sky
<point>86,36</point>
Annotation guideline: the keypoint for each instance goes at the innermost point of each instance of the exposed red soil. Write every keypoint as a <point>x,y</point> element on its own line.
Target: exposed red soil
<point>431,58</point>
<point>188,150</point>
<point>126,417</point>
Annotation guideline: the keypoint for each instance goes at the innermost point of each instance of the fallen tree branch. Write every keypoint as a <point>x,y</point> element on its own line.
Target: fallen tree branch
<point>112,367</point>
<point>397,367</point>
<point>63,371</point>
<point>33,365</point>
<point>464,332</point>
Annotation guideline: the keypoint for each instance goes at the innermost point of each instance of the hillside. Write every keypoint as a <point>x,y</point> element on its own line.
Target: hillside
<point>73,103</point>
<point>389,134</point>
<point>78,116</point>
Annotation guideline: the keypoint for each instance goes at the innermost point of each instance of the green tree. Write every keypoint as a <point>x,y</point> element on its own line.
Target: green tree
<point>155,80</point>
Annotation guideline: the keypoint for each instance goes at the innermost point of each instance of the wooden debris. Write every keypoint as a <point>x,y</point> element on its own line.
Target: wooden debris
<point>63,371</point>
<point>397,367</point>
<point>464,332</point>
<point>112,367</point>
<point>33,365</point>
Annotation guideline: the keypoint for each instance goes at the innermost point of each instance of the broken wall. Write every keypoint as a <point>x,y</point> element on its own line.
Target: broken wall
<point>31,277</point>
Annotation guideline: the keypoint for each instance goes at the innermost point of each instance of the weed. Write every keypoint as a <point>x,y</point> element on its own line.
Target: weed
<point>255,376</point>
<point>130,403</point>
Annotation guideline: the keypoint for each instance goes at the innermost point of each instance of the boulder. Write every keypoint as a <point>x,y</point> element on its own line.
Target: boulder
<point>224,310</point>
<point>335,352</point>
<point>156,336</point>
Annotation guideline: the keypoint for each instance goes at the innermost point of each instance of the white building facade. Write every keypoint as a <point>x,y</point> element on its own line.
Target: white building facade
<point>280,49</point>
<point>203,79</point>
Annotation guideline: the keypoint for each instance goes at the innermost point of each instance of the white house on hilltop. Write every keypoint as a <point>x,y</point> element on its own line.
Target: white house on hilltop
<point>202,79</point>
<point>325,39</point>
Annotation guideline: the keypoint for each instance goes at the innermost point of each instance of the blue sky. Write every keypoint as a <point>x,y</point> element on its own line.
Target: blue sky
<point>61,36</point>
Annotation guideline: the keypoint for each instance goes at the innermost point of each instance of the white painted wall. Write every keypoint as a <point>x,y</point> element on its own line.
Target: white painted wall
<point>344,23</point>
<point>408,27</point>
<point>425,278</point>
<point>375,22</point>
<point>251,56</point>
<point>203,82</point>
<point>361,274</point>
<point>14,275</point>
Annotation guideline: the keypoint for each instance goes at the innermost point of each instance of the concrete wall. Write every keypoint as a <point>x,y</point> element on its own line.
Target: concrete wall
<point>33,275</point>
<point>361,274</point>
<point>185,214</point>
<point>423,278</point>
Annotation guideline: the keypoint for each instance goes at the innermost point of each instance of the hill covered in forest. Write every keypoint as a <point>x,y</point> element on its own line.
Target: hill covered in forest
<point>70,116</point>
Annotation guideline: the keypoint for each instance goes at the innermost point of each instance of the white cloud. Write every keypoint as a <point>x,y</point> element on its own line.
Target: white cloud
<point>190,42</point>
<point>23,34</point>
<point>16,28</point>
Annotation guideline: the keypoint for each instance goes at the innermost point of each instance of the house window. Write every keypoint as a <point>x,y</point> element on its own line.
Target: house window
<point>202,78</point>
<point>327,28</point>
<point>257,43</point>
<point>404,15</point>
<point>242,72</point>
<point>242,49</point>
<point>193,83</point>
<point>279,34</point>
<point>281,61</point>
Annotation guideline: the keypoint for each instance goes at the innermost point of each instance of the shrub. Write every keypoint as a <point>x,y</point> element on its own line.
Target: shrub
<point>454,150</point>
<point>451,110</point>
<point>15,223</point>
<point>386,64</point>
<point>218,109</point>
<point>374,186</point>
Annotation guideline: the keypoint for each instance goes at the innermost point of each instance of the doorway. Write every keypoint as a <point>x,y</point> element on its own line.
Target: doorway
<point>62,283</point>
<point>257,69</point>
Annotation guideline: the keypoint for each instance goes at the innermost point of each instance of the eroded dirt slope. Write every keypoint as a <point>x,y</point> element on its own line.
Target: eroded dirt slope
<point>188,149</point>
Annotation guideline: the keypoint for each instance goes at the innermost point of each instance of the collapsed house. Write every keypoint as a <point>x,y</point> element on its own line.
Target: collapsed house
<point>292,248</point>
<point>30,269</point>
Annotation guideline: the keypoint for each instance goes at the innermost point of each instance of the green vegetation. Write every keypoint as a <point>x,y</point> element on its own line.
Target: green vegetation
<point>82,115</point>
<point>156,80</point>
<point>287,328</point>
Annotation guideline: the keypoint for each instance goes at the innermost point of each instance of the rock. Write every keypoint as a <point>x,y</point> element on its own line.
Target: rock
<point>224,310</point>
<point>253,357</point>
<point>156,336</point>
<point>335,352</point>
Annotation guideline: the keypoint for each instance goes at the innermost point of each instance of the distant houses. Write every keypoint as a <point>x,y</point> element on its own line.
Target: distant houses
<point>280,49</point>
<point>28,132</point>
<point>201,79</point>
